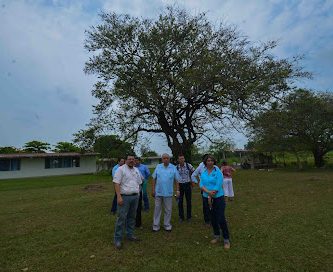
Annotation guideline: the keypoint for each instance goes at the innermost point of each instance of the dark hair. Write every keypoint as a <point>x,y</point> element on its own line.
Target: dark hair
<point>209,157</point>
<point>130,155</point>
<point>204,157</point>
<point>119,159</point>
<point>224,163</point>
<point>138,158</point>
<point>181,155</point>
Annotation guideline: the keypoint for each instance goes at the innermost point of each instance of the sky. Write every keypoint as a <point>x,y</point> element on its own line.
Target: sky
<point>45,95</point>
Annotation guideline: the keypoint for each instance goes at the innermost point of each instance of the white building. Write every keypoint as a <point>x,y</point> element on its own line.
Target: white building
<point>23,165</point>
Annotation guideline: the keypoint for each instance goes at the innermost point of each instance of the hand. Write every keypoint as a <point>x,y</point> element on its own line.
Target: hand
<point>120,200</point>
<point>177,194</point>
<point>153,193</point>
<point>212,193</point>
<point>192,184</point>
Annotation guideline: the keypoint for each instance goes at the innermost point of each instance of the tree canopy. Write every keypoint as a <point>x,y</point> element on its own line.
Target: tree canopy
<point>302,121</point>
<point>63,147</point>
<point>36,147</point>
<point>8,150</point>
<point>110,146</point>
<point>179,75</point>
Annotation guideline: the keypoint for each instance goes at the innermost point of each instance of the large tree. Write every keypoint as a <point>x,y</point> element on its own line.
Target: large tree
<point>179,75</point>
<point>302,121</point>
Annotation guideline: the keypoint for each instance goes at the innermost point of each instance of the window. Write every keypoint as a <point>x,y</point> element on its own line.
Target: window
<point>65,162</point>
<point>10,164</point>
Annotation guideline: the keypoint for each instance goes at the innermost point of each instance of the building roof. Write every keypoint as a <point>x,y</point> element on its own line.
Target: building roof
<point>45,155</point>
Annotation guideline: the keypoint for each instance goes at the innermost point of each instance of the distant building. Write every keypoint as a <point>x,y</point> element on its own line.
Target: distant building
<point>24,165</point>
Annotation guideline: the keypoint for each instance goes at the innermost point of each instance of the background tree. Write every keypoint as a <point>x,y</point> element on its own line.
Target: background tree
<point>219,149</point>
<point>63,147</point>
<point>179,75</point>
<point>150,153</point>
<point>8,150</point>
<point>303,121</point>
<point>110,146</point>
<point>36,147</point>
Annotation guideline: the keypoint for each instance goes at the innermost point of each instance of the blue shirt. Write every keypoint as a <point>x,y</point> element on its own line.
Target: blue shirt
<point>164,178</point>
<point>143,170</point>
<point>198,172</point>
<point>212,182</point>
<point>114,169</point>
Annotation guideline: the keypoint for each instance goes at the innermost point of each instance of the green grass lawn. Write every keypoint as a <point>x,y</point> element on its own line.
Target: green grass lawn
<point>279,221</point>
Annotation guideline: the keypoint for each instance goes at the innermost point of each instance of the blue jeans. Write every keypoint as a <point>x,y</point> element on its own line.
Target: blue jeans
<point>126,217</point>
<point>218,218</point>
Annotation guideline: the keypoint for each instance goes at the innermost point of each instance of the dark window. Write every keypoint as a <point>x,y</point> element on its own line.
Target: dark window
<point>10,164</point>
<point>65,162</point>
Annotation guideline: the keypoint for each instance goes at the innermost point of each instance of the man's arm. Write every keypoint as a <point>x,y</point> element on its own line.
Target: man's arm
<point>119,198</point>
<point>153,184</point>
<point>116,181</point>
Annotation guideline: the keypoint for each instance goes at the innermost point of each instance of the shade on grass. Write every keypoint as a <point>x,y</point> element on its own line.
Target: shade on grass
<point>279,221</point>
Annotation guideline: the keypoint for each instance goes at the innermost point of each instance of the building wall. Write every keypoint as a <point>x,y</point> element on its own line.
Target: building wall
<point>35,167</point>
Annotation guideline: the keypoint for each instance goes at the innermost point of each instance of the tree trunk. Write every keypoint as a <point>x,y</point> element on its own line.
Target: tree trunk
<point>181,148</point>
<point>299,163</point>
<point>318,156</point>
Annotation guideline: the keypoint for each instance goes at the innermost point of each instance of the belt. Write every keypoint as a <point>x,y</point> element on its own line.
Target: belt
<point>134,194</point>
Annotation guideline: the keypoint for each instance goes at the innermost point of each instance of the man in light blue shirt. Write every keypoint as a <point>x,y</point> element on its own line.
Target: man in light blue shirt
<point>164,177</point>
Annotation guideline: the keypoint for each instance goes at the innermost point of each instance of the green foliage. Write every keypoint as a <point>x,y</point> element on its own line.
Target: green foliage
<point>8,150</point>
<point>63,147</point>
<point>178,75</point>
<point>220,148</point>
<point>302,121</point>
<point>149,153</point>
<point>36,147</point>
<point>110,146</point>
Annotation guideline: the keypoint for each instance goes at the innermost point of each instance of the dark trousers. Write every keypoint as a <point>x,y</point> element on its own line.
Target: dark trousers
<point>114,204</point>
<point>185,189</point>
<point>145,201</point>
<point>138,220</point>
<point>218,217</point>
<point>206,210</point>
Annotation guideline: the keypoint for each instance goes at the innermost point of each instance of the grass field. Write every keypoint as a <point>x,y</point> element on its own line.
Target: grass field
<point>279,221</point>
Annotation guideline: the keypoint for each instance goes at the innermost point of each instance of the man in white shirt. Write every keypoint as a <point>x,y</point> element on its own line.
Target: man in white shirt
<point>127,183</point>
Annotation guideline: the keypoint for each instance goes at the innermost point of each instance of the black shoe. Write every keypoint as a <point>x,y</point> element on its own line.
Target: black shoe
<point>133,239</point>
<point>181,220</point>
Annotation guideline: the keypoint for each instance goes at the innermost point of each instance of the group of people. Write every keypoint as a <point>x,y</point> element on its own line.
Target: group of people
<point>130,178</point>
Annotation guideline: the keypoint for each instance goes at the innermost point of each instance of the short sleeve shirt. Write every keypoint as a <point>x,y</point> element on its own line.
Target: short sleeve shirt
<point>165,178</point>
<point>129,179</point>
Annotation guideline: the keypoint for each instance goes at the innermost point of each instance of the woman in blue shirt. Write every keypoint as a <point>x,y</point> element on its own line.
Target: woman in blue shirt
<point>211,181</point>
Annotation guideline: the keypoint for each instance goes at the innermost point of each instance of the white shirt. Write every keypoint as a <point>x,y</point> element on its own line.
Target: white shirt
<point>129,179</point>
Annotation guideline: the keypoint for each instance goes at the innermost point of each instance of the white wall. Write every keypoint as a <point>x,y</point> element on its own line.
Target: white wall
<point>35,167</point>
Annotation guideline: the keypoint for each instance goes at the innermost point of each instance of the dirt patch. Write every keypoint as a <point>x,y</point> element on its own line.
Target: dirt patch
<point>94,188</point>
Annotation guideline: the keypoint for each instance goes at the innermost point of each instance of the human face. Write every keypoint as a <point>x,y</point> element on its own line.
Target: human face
<point>181,160</point>
<point>137,162</point>
<point>121,162</point>
<point>209,163</point>
<point>165,160</point>
<point>130,161</point>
